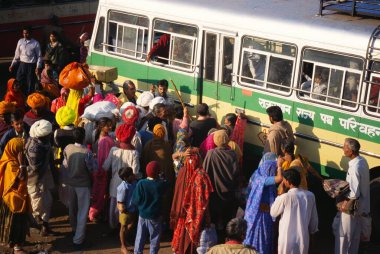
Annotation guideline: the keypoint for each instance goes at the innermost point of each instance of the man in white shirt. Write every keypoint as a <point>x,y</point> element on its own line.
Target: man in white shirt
<point>298,213</point>
<point>347,227</point>
<point>28,55</point>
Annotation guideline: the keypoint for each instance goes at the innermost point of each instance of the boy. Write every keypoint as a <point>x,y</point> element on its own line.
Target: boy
<point>124,204</point>
<point>148,199</point>
<point>78,163</point>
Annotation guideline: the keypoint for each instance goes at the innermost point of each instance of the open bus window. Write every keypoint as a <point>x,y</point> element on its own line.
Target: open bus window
<point>267,64</point>
<point>98,46</point>
<point>127,34</point>
<point>173,44</point>
<point>228,58</point>
<point>321,81</point>
<point>210,59</point>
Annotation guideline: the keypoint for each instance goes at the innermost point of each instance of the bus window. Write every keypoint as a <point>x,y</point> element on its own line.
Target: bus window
<point>228,57</point>
<point>267,64</point>
<point>373,92</point>
<point>98,46</point>
<point>127,34</point>
<point>174,44</point>
<point>210,57</point>
<point>330,78</point>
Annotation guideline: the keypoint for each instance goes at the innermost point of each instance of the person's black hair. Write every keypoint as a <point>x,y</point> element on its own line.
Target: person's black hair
<point>27,28</point>
<point>103,121</point>
<point>228,129</point>
<point>125,173</point>
<point>276,113</point>
<point>16,116</point>
<point>231,117</point>
<point>293,176</point>
<point>236,229</point>
<point>55,33</point>
<point>152,122</point>
<point>79,134</point>
<point>202,109</point>
<point>288,147</point>
<point>157,108</point>
<point>179,112</point>
<point>48,62</point>
<point>163,82</point>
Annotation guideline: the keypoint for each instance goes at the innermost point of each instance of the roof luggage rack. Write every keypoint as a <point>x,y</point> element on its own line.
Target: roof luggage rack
<point>368,8</point>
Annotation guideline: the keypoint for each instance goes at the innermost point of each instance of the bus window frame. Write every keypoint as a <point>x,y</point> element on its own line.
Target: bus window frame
<point>195,43</point>
<point>106,45</point>
<point>216,65</point>
<point>366,105</point>
<point>96,35</point>
<point>268,55</point>
<point>325,103</point>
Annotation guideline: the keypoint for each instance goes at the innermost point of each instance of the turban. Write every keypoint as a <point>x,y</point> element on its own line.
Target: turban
<point>159,131</point>
<point>130,115</point>
<point>7,107</point>
<point>144,99</point>
<point>112,98</point>
<point>125,133</point>
<point>125,105</point>
<point>220,138</point>
<point>153,169</point>
<point>40,129</point>
<point>155,101</point>
<point>36,100</point>
<point>65,116</point>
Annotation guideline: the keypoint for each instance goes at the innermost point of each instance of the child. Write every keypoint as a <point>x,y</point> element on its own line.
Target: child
<point>18,130</point>
<point>78,163</point>
<point>124,204</point>
<point>148,199</point>
<point>49,80</point>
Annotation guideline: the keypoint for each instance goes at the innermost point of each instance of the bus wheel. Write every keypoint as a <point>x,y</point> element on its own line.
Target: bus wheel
<point>375,208</point>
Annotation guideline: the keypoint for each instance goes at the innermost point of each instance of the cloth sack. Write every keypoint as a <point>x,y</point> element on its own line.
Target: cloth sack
<point>100,109</point>
<point>335,187</point>
<point>75,76</point>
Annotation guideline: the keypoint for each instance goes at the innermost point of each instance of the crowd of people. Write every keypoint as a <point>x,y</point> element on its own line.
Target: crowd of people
<point>143,165</point>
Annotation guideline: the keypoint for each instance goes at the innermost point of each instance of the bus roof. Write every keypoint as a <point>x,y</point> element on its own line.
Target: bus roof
<point>295,19</point>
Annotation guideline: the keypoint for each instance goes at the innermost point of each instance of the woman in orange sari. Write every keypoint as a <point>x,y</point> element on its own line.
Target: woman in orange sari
<point>15,201</point>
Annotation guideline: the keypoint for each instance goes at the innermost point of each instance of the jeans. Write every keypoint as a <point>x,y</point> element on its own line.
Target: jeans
<point>145,226</point>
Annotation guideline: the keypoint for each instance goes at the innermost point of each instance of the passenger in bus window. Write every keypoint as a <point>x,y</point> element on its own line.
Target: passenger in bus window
<point>160,49</point>
<point>374,95</point>
<point>320,88</point>
<point>256,64</point>
<point>350,91</point>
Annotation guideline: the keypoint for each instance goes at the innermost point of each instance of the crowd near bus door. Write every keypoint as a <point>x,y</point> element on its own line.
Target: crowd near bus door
<point>218,63</point>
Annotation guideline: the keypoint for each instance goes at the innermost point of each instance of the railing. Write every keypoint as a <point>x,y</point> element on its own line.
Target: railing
<point>370,8</point>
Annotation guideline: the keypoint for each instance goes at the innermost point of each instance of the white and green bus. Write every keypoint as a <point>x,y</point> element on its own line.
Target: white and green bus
<point>323,71</point>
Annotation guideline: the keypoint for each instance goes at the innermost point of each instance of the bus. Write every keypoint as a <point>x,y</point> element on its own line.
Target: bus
<point>322,70</point>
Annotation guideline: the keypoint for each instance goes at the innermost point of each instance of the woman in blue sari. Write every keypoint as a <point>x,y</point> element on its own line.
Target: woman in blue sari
<point>261,194</point>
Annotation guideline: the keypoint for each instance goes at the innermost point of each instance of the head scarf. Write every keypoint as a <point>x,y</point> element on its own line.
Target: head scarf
<point>144,99</point>
<point>65,116</point>
<point>153,169</point>
<point>125,133</point>
<point>256,191</point>
<point>155,101</point>
<point>37,100</point>
<point>11,151</point>
<point>220,138</point>
<point>130,115</point>
<point>159,131</point>
<point>7,107</point>
<point>13,96</point>
<point>40,129</point>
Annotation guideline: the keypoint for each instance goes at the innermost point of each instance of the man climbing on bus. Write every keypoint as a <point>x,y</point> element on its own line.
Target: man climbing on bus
<point>160,50</point>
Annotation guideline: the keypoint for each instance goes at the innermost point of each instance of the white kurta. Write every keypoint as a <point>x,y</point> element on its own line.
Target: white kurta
<point>347,227</point>
<point>299,218</point>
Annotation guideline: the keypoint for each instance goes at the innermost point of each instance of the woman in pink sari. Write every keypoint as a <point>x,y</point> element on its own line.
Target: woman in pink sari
<point>101,147</point>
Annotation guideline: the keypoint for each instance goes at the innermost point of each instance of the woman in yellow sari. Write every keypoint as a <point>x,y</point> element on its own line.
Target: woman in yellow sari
<point>15,201</point>
<point>299,162</point>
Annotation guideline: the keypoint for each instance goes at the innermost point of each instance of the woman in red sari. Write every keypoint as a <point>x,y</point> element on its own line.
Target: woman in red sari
<point>101,148</point>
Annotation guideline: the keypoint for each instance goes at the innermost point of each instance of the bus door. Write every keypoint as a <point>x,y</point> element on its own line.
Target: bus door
<point>218,66</point>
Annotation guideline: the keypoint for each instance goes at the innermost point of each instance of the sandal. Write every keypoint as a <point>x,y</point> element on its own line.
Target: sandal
<point>18,250</point>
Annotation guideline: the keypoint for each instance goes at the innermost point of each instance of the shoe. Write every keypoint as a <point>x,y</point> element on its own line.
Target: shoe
<point>81,246</point>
